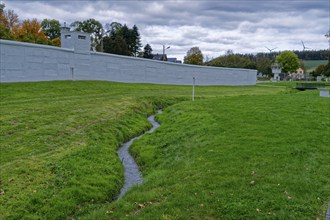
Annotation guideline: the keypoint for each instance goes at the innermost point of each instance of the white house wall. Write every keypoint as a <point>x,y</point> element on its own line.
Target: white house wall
<point>25,62</point>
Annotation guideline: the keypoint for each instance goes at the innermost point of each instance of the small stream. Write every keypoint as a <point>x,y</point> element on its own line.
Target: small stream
<point>132,174</point>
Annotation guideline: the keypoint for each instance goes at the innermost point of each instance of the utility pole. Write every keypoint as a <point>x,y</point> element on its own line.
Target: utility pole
<point>164,51</point>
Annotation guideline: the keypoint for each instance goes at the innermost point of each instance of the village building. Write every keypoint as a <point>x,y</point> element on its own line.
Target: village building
<point>299,74</point>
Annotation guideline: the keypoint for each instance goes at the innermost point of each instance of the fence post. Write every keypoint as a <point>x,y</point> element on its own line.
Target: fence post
<point>193,90</point>
<point>72,74</point>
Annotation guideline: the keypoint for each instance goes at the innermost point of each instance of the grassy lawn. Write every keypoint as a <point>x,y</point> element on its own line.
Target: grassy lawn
<point>293,84</point>
<point>234,153</point>
<point>248,157</point>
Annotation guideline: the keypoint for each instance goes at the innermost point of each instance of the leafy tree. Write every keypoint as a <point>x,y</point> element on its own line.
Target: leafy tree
<point>289,60</point>
<point>56,42</point>
<point>302,65</point>
<point>93,27</point>
<point>194,56</point>
<point>30,31</point>
<point>147,52</point>
<point>5,33</point>
<point>51,28</point>
<point>8,20</point>
<point>319,70</point>
<point>74,25</point>
<point>326,71</point>
<point>114,30</point>
<point>12,19</point>
<point>264,65</point>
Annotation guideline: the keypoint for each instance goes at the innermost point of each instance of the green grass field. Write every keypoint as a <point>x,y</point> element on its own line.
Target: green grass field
<point>250,152</point>
<point>311,65</point>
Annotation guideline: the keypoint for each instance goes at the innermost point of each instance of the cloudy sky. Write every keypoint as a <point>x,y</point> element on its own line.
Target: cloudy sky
<point>215,26</point>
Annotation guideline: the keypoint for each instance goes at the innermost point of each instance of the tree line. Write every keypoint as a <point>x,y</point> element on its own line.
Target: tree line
<point>26,31</point>
<point>262,62</point>
<point>112,38</point>
<point>312,54</point>
<point>247,61</point>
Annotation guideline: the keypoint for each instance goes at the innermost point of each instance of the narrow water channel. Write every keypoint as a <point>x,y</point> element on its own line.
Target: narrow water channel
<point>131,170</point>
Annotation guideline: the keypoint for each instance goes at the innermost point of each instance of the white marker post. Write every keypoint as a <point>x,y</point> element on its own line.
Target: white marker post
<point>193,89</point>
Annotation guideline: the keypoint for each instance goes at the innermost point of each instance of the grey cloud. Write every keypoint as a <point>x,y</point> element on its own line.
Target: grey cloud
<point>215,25</point>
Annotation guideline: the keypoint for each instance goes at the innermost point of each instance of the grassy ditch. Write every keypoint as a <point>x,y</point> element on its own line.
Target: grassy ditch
<point>59,142</point>
<point>247,157</point>
<point>59,139</point>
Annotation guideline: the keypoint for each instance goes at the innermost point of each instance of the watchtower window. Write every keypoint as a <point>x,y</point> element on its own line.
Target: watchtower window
<point>67,36</point>
<point>81,37</point>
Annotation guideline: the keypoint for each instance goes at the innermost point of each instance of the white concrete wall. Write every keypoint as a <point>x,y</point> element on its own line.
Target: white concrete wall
<point>31,62</point>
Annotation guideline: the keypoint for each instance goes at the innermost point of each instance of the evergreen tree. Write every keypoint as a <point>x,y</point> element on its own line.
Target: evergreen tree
<point>115,46</point>
<point>137,40</point>
<point>147,52</point>
<point>129,38</point>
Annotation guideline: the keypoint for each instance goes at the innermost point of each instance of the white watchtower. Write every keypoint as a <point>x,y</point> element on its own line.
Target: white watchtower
<point>276,70</point>
<point>80,42</point>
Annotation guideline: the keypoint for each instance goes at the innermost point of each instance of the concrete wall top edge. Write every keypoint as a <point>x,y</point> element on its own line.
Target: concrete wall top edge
<point>17,43</point>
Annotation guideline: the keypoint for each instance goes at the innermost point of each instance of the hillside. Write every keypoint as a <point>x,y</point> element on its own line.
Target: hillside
<point>311,65</point>
<point>236,152</point>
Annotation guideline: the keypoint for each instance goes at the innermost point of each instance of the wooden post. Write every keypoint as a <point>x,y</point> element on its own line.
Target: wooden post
<point>193,89</point>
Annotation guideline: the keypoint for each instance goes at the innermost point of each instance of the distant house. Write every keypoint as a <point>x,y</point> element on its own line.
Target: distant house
<point>173,60</point>
<point>297,75</point>
<point>159,57</point>
<point>164,58</point>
